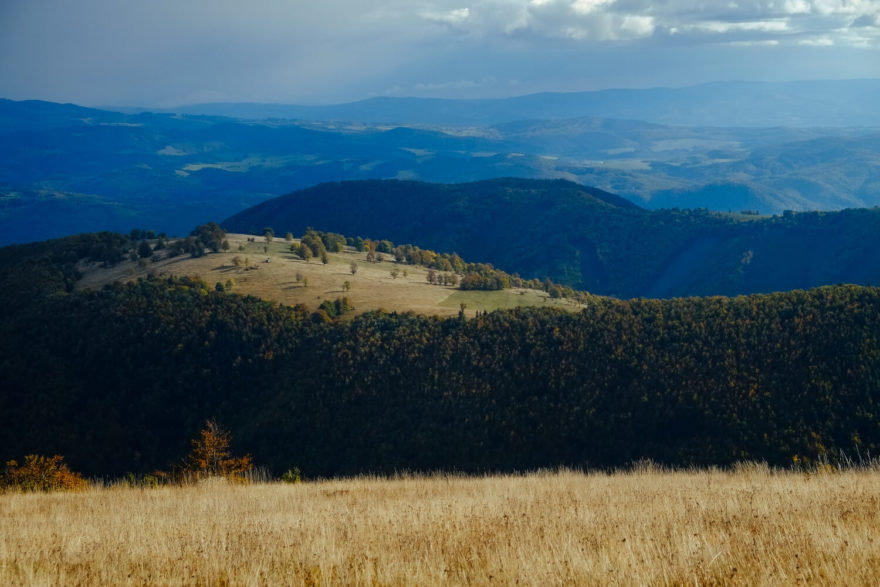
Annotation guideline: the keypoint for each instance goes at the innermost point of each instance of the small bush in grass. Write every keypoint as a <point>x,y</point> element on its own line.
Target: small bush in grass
<point>39,473</point>
<point>149,481</point>
<point>293,475</point>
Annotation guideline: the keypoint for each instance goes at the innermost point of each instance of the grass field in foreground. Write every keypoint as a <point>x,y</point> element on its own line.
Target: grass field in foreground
<point>750,526</point>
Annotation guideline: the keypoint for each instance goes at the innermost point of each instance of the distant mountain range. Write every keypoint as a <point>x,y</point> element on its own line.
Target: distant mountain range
<point>727,104</point>
<point>67,169</point>
<point>590,239</point>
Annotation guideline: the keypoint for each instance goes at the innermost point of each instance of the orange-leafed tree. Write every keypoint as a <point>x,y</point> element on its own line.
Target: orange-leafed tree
<point>210,456</point>
<point>39,473</point>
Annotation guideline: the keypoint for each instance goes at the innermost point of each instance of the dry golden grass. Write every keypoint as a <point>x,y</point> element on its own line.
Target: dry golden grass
<point>372,287</point>
<point>647,527</point>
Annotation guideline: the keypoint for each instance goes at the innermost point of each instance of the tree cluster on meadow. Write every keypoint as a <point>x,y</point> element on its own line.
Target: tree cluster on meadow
<point>453,270</point>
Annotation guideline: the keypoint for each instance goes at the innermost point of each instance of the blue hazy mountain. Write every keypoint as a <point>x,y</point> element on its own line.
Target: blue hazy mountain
<point>67,169</point>
<point>730,104</point>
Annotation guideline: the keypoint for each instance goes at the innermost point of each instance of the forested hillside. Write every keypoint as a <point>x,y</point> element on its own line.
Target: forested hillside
<point>590,239</point>
<point>117,380</point>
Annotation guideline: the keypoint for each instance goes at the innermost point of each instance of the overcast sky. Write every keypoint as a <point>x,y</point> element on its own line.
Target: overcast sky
<point>172,52</point>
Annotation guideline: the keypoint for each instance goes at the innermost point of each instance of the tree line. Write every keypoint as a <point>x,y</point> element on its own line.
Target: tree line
<point>443,268</point>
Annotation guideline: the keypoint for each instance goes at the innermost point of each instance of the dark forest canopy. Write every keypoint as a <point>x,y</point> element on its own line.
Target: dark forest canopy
<point>589,239</point>
<point>119,379</point>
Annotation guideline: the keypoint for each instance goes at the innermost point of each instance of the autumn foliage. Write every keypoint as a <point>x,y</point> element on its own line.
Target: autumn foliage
<point>210,456</point>
<point>39,473</point>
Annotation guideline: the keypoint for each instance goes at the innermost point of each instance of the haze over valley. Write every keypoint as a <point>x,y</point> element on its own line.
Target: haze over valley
<point>81,169</point>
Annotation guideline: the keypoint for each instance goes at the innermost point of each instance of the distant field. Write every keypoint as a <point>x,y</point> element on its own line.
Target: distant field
<point>751,526</point>
<point>504,299</point>
<point>372,287</point>
<point>620,164</point>
<point>245,165</point>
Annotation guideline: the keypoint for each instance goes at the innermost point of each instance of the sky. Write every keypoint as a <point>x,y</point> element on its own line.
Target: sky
<point>165,53</point>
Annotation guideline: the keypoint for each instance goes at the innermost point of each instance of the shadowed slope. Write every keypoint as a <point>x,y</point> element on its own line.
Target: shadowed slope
<point>591,239</point>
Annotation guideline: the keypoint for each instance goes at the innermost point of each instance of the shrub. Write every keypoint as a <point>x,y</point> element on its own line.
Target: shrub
<point>145,250</point>
<point>133,480</point>
<point>39,473</point>
<point>293,475</point>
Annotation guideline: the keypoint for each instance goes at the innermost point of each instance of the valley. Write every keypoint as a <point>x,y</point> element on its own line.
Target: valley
<point>85,169</point>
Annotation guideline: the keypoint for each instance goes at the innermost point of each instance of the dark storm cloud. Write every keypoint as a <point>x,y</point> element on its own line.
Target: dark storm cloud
<point>170,52</point>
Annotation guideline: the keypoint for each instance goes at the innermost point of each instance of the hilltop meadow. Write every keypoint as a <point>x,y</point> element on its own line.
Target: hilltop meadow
<point>290,280</point>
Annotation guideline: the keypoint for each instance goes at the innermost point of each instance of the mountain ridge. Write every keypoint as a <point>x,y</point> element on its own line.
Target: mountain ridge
<point>831,103</point>
<point>589,239</point>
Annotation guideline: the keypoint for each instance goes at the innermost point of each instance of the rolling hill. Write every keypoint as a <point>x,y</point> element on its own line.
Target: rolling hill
<point>272,272</point>
<point>591,239</point>
<point>81,169</point>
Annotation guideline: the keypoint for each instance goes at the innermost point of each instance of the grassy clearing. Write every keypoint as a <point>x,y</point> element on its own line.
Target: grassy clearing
<point>752,526</point>
<point>503,299</point>
<point>372,287</point>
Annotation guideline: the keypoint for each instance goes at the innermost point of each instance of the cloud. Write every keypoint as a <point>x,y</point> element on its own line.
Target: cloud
<point>866,20</point>
<point>765,43</point>
<point>589,6</point>
<point>719,27</point>
<point>483,18</point>
<point>687,20</point>
<point>581,20</point>
<point>166,52</point>
<point>456,16</point>
<point>817,42</point>
<point>796,7</point>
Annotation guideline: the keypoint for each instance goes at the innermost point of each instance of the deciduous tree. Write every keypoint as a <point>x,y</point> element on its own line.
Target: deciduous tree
<point>211,457</point>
